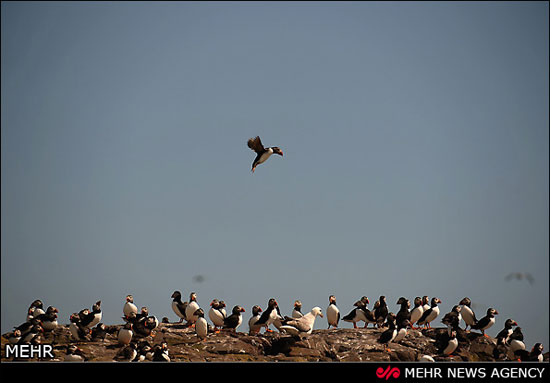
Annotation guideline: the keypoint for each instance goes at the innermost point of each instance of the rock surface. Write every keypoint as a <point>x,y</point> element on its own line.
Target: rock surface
<point>335,345</point>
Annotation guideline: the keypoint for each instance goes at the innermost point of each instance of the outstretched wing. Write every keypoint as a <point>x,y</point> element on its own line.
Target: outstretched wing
<point>256,144</point>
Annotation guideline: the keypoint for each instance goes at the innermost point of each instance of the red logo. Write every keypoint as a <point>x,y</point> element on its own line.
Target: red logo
<point>388,372</point>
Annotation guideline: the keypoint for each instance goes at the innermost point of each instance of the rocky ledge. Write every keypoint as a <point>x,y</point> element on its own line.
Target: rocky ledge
<point>334,345</point>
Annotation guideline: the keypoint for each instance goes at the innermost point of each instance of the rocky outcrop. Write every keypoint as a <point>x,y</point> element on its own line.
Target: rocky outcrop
<point>335,345</point>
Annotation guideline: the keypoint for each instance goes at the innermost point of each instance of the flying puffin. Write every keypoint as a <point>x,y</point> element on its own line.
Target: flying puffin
<point>417,311</point>
<point>381,312</point>
<point>178,306</point>
<point>486,322</point>
<point>254,328</point>
<point>303,325</point>
<point>191,308</point>
<point>468,315</point>
<point>201,326</point>
<point>430,314</point>
<point>235,319</point>
<point>388,335</point>
<point>216,314</point>
<point>403,313</point>
<point>357,314</point>
<point>129,306</point>
<point>262,153</point>
<point>269,315</point>
<point>297,310</point>
<point>333,313</point>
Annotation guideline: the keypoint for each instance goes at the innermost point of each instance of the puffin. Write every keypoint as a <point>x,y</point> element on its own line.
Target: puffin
<point>417,311</point>
<point>402,329</point>
<point>389,335</point>
<point>129,306</point>
<point>128,353</point>
<point>31,336</point>
<point>449,343</point>
<point>125,334</point>
<point>74,354</point>
<point>426,302</point>
<point>91,318</point>
<point>216,315</point>
<point>160,353</point>
<point>504,335</point>
<point>358,314</point>
<point>178,306</point>
<point>262,153</point>
<point>36,308</point>
<point>515,343</point>
<point>381,312</point>
<point>333,313</point>
<point>78,331</point>
<point>254,328</point>
<point>403,313</point>
<point>144,326</point>
<point>99,332</point>
<point>201,326</point>
<point>297,310</point>
<point>468,315</point>
<point>13,337</point>
<point>452,319</point>
<point>48,320</point>
<point>430,314</point>
<point>370,315</point>
<point>235,319</point>
<point>486,322</point>
<point>144,352</point>
<point>303,325</point>
<point>269,315</point>
<point>191,308</point>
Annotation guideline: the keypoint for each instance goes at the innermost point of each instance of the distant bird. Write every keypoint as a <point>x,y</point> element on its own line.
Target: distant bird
<point>303,325</point>
<point>254,328</point>
<point>520,276</point>
<point>198,278</point>
<point>74,354</point>
<point>262,153</point>
<point>129,306</point>
<point>333,313</point>
<point>178,306</point>
<point>417,311</point>
<point>430,314</point>
<point>201,326</point>
<point>468,315</point>
<point>235,319</point>
<point>486,322</point>
<point>297,310</point>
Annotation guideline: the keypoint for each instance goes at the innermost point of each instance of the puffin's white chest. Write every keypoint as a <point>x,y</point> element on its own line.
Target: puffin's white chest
<point>73,358</point>
<point>176,310</point>
<point>332,314</point>
<point>216,316</point>
<point>96,320</point>
<point>400,334</point>
<point>433,314</point>
<point>125,336</point>
<point>201,328</point>
<point>129,308</point>
<point>296,314</point>
<point>253,327</point>
<point>74,331</point>
<point>489,324</point>
<point>416,314</point>
<point>49,325</point>
<point>272,316</point>
<point>467,315</point>
<point>190,310</point>
<point>265,156</point>
<point>451,346</point>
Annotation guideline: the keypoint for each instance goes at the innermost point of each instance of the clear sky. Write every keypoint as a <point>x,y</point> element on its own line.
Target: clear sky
<point>415,140</point>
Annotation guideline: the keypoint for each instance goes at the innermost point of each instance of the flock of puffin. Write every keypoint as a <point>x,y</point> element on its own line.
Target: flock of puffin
<point>132,336</point>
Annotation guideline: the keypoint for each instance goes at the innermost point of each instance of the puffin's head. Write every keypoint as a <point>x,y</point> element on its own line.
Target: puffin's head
<point>199,313</point>
<point>465,301</point>
<point>237,310</point>
<point>192,297</point>
<point>332,299</point>
<point>417,301</point>
<point>130,299</point>
<point>297,304</point>
<point>214,303</point>
<point>425,300</point>
<point>538,347</point>
<point>277,150</point>
<point>176,295</point>
<point>457,308</point>
<point>491,312</point>
<point>317,311</point>
<point>145,310</point>
<point>256,309</point>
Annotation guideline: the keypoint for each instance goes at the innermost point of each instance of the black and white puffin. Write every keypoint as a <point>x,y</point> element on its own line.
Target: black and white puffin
<point>486,322</point>
<point>235,319</point>
<point>13,337</point>
<point>417,311</point>
<point>160,353</point>
<point>402,329</point>
<point>503,336</point>
<point>216,315</point>
<point>129,306</point>
<point>254,328</point>
<point>333,313</point>
<point>262,153</point>
<point>32,335</point>
<point>74,354</point>
<point>403,313</point>
<point>125,334</point>
<point>78,331</point>
<point>452,319</point>
<point>449,343</point>
<point>48,320</point>
<point>381,312</point>
<point>269,315</point>
<point>297,310</point>
<point>201,326</point>
<point>426,302</point>
<point>128,353</point>
<point>468,315</point>
<point>90,318</point>
<point>357,314</point>
<point>144,326</point>
<point>178,306</point>
<point>515,343</point>
<point>36,308</point>
<point>430,314</point>
<point>389,335</point>
<point>191,308</point>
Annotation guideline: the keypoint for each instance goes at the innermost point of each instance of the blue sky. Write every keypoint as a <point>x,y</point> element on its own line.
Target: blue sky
<point>415,139</point>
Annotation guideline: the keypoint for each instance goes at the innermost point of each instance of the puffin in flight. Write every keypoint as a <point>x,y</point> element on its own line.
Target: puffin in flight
<point>262,153</point>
